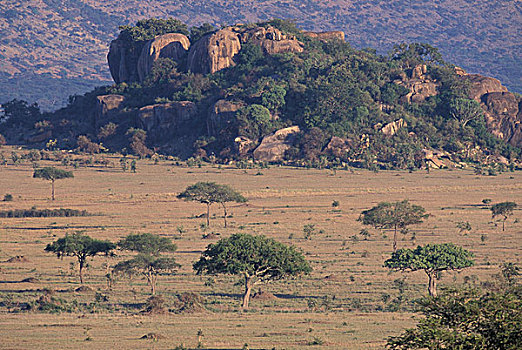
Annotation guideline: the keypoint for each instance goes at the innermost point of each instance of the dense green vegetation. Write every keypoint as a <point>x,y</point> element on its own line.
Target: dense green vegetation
<point>328,90</point>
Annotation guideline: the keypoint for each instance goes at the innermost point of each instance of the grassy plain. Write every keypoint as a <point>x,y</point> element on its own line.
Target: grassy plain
<point>350,301</point>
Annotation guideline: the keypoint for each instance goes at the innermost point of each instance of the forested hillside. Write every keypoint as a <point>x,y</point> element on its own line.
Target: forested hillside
<point>271,92</point>
<point>51,49</point>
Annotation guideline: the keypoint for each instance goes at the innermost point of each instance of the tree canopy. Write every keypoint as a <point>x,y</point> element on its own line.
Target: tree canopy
<point>432,259</point>
<point>81,246</point>
<point>255,258</point>
<point>466,318</point>
<point>211,192</point>
<point>504,209</point>
<point>148,263</point>
<point>393,215</point>
<point>52,174</point>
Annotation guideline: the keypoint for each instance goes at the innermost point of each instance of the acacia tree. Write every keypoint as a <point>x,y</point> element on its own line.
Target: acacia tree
<point>393,215</point>
<point>209,193</point>
<point>255,258</point>
<point>52,174</point>
<point>432,259</point>
<point>464,318</point>
<point>149,262</point>
<point>504,209</point>
<point>81,246</point>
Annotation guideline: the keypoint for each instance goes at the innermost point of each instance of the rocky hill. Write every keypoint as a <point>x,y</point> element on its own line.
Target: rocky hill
<point>272,92</point>
<point>51,49</point>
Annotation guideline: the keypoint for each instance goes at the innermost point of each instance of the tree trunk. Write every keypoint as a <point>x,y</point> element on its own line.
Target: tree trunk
<point>225,213</point>
<point>504,223</point>
<point>432,284</point>
<point>395,238</point>
<point>248,291</point>
<point>208,214</point>
<point>52,190</point>
<point>81,269</point>
<point>152,282</point>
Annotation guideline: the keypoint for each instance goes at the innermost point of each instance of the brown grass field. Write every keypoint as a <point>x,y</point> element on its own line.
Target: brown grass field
<point>345,303</point>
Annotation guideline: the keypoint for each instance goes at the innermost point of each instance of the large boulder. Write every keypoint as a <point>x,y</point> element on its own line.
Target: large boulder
<point>391,129</point>
<point>221,115</point>
<point>273,147</point>
<point>420,84</point>
<point>272,40</point>
<point>338,147</point>
<point>171,45</point>
<point>326,36</point>
<point>107,106</point>
<point>503,116</point>
<point>214,51</point>
<point>122,62</point>
<point>481,85</point>
<point>165,116</point>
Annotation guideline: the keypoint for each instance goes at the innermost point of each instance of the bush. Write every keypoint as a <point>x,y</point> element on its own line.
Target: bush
<point>41,213</point>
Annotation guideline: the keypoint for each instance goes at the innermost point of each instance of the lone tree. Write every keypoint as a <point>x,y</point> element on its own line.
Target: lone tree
<point>432,259</point>
<point>209,193</point>
<point>52,174</point>
<point>393,215</point>
<point>81,246</point>
<point>504,209</point>
<point>255,258</point>
<point>149,262</point>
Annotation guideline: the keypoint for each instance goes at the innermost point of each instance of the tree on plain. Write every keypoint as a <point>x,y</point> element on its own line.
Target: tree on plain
<point>149,262</point>
<point>255,258</point>
<point>504,209</point>
<point>393,215</point>
<point>81,246</point>
<point>52,174</point>
<point>209,193</point>
<point>432,259</point>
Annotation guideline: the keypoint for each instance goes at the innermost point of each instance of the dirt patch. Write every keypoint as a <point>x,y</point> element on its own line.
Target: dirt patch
<point>30,280</point>
<point>261,295</point>
<point>83,289</point>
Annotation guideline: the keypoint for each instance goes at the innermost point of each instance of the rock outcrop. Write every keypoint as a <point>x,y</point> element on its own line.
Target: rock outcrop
<point>171,45</point>
<point>106,107</point>
<point>325,36</point>
<point>243,145</point>
<point>338,147</point>
<point>214,52</point>
<point>162,117</point>
<point>420,84</point>
<point>272,40</point>
<point>221,115</point>
<point>122,62</point>
<point>273,147</point>
<point>391,129</point>
<point>482,85</point>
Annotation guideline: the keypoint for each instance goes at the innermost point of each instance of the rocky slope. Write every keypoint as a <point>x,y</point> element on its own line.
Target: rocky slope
<point>54,48</point>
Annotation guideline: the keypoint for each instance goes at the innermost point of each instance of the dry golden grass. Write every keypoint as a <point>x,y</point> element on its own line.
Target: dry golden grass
<point>348,286</point>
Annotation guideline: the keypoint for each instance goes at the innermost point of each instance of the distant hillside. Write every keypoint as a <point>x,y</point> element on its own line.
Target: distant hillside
<point>50,49</point>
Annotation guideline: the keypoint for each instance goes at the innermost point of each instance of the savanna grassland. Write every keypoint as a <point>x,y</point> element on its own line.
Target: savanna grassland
<point>349,301</point>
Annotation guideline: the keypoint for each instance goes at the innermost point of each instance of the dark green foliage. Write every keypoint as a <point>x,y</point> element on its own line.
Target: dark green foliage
<point>393,215</point>
<point>197,32</point>
<point>466,319</point>
<point>147,29</point>
<point>42,213</point>
<point>147,243</point>
<point>149,262</point>
<point>253,121</point>
<point>504,209</point>
<point>432,259</point>
<point>256,258</point>
<point>209,193</point>
<point>81,246</point>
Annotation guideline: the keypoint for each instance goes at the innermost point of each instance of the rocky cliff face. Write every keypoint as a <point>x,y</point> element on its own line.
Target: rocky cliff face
<point>273,147</point>
<point>172,45</point>
<point>163,117</point>
<point>325,36</point>
<point>420,84</point>
<point>214,52</point>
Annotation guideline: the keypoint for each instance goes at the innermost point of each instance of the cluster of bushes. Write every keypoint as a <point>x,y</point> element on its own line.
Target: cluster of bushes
<point>42,213</point>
